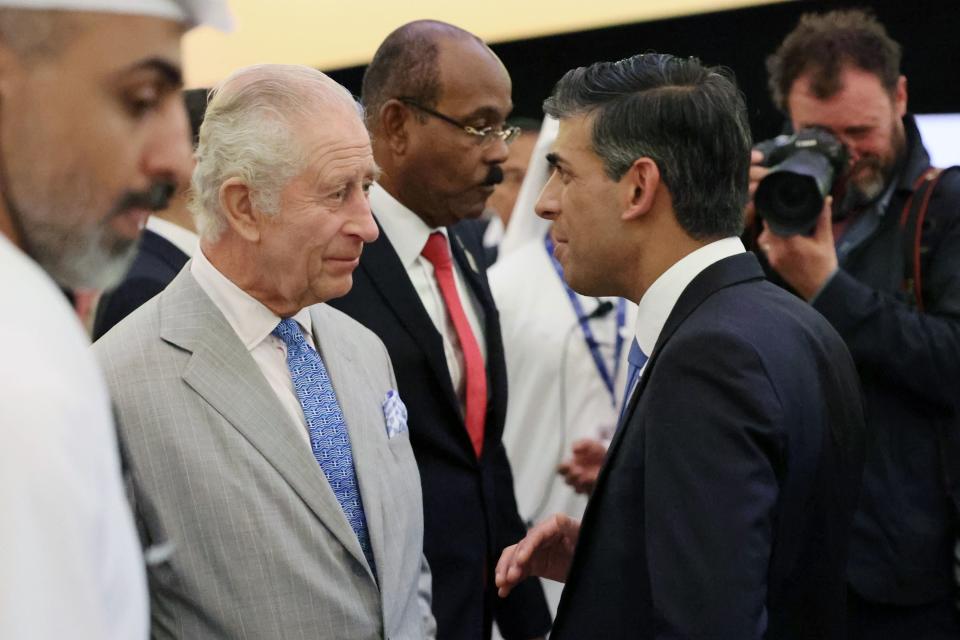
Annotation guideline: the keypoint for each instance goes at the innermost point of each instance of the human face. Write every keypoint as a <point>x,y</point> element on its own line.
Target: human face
<point>448,175</point>
<point>583,203</point>
<point>866,119</point>
<point>85,135</point>
<point>514,171</point>
<point>310,248</point>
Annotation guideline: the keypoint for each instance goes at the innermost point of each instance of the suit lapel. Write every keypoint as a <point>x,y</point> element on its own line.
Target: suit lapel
<point>165,250</point>
<point>381,263</point>
<point>223,373</point>
<point>723,273</point>
<point>469,267</point>
<point>362,412</point>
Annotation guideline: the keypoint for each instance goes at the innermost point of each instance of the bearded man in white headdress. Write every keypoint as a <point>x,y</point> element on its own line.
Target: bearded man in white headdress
<point>93,134</point>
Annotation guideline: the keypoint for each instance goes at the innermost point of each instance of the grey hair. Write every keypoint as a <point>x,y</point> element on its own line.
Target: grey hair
<point>691,120</point>
<point>249,132</point>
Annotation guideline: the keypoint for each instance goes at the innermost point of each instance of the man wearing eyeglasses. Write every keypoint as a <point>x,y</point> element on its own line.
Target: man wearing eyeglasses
<point>437,99</point>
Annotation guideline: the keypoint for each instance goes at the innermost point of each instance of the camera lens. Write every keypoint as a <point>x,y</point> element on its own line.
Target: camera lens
<point>791,196</point>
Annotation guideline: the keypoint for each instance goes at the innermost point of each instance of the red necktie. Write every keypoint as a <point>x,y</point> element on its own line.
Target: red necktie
<point>438,253</point>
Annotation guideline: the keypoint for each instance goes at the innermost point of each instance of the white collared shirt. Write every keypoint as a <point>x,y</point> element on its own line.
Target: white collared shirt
<point>656,304</point>
<point>183,239</point>
<point>254,323</point>
<point>408,234</point>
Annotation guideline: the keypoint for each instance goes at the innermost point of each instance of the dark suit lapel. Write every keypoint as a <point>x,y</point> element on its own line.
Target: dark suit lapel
<point>470,263</point>
<point>723,273</point>
<point>225,375</point>
<point>388,275</point>
<point>164,250</point>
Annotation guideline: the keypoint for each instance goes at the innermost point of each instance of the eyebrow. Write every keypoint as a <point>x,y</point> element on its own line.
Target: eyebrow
<point>488,111</point>
<point>171,73</point>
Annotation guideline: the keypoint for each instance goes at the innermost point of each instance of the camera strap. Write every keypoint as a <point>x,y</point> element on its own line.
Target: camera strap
<point>913,223</point>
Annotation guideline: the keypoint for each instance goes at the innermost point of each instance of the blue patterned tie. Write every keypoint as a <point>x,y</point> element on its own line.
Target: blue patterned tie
<point>328,430</point>
<point>636,358</point>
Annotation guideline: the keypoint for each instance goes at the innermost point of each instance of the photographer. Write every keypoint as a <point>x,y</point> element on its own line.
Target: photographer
<point>882,264</point>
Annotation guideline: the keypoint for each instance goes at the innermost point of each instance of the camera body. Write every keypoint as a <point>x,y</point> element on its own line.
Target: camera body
<point>803,168</point>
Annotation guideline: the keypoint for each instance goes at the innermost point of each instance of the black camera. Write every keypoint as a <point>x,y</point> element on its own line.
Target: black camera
<point>803,167</point>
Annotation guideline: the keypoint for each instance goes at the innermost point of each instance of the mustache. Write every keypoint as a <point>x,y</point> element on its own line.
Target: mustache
<point>494,176</point>
<point>156,198</point>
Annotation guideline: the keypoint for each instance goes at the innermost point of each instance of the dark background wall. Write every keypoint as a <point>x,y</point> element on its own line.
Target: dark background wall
<point>929,32</point>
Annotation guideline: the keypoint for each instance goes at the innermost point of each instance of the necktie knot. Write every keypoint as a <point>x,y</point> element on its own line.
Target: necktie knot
<point>437,251</point>
<point>636,356</point>
<point>289,332</point>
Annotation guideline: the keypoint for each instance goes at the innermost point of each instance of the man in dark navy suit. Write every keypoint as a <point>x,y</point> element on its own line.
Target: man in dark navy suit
<point>165,245</point>
<point>437,100</point>
<point>725,502</point>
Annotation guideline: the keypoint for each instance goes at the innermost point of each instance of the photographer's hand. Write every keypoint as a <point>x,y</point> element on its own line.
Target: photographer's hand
<point>757,172</point>
<point>805,262</point>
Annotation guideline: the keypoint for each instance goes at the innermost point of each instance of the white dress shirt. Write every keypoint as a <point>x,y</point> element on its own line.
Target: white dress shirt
<point>183,239</point>
<point>254,323</point>
<point>658,301</point>
<point>408,234</point>
<point>71,565</point>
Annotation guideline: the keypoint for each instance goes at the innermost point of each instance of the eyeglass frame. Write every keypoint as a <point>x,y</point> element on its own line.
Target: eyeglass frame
<point>484,136</point>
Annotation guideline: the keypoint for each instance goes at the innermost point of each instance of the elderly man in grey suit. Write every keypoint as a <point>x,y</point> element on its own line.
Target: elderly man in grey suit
<point>266,445</point>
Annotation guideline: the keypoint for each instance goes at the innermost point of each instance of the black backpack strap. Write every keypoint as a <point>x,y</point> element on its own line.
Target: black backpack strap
<point>913,222</point>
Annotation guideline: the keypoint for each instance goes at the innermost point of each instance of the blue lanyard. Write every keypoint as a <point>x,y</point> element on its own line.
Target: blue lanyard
<point>582,317</point>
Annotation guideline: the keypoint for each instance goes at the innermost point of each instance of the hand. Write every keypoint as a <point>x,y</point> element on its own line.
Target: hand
<point>581,469</point>
<point>545,551</point>
<point>757,173</point>
<point>805,262</point>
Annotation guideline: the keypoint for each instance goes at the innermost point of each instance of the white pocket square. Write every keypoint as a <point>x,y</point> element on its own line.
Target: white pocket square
<point>395,413</point>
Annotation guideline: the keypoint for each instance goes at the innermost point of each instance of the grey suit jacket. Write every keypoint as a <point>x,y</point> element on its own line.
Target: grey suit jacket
<point>260,545</point>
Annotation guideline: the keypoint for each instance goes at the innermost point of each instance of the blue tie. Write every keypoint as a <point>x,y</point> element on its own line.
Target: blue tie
<point>328,429</point>
<point>636,359</point>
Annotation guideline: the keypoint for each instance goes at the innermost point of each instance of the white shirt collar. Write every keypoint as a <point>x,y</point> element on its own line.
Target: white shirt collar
<point>407,232</point>
<point>249,318</point>
<point>183,239</point>
<point>657,303</point>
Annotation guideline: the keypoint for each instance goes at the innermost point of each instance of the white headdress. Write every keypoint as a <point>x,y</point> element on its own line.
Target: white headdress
<point>213,13</point>
<point>524,224</point>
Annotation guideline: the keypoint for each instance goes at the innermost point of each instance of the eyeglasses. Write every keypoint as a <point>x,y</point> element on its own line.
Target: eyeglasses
<point>483,136</point>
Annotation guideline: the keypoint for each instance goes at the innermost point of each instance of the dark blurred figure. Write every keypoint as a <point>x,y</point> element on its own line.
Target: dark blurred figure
<point>885,271</point>
<point>169,240</point>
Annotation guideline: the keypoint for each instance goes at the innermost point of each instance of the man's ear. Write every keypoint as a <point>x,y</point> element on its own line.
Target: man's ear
<point>239,210</point>
<point>394,119</point>
<point>639,184</point>
<point>900,96</point>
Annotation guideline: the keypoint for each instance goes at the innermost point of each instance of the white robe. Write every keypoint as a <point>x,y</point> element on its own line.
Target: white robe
<point>70,562</point>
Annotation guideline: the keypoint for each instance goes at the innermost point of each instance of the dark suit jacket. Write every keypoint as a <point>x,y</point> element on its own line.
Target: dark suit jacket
<point>470,512</point>
<point>725,504</point>
<point>158,261</point>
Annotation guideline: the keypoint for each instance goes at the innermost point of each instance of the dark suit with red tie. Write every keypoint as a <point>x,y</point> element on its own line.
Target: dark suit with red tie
<point>470,512</point>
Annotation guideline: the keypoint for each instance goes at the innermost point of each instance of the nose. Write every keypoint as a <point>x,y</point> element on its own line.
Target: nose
<point>496,152</point>
<point>168,154</point>
<point>548,204</point>
<point>361,222</point>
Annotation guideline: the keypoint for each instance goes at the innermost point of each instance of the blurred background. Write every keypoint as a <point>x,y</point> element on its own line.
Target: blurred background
<point>538,41</point>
